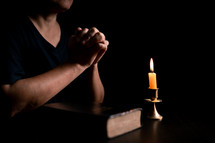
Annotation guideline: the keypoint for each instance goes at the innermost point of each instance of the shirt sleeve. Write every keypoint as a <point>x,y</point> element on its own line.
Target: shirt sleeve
<point>11,61</point>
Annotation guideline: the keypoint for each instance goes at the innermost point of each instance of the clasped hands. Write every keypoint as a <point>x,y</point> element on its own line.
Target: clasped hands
<point>87,46</point>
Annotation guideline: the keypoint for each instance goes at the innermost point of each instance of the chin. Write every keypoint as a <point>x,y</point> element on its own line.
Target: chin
<point>63,5</point>
<point>66,4</point>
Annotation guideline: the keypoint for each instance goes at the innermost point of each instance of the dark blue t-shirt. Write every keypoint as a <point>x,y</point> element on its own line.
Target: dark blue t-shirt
<point>25,53</point>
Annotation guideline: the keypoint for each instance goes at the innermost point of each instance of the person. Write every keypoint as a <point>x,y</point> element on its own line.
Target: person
<point>42,63</point>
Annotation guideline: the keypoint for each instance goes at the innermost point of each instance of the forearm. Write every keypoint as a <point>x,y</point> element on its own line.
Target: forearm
<point>96,86</point>
<point>30,93</point>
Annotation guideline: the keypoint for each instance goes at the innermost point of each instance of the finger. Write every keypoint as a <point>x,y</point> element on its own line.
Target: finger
<point>78,30</point>
<point>103,49</point>
<point>106,42</point>
<point>90,34</point>
<point>97,38</point>
<point>81,33</point>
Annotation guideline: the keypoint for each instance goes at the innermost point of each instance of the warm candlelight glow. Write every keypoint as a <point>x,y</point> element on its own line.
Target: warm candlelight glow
<point>152,76</point>
<point>151,65</point>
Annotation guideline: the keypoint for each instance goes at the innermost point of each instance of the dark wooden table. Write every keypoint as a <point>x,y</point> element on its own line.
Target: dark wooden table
<point>177,126</point>
<point>174,128</point>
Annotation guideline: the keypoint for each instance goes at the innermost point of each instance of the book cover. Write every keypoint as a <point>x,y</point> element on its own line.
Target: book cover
<point>96,119</point>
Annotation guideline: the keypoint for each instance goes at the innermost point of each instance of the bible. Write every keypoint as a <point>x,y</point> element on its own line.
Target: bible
<point>97,119</point>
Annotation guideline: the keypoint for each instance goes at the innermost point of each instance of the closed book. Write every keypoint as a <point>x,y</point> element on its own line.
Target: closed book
<point>97,119</point>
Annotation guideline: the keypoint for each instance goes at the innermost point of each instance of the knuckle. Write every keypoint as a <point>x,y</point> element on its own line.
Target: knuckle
<point>94,29</point>
<point>85,29</point>
<point>100,35</point>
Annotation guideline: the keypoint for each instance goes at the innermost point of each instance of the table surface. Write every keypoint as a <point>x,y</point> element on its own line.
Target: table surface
<point>176,127</point>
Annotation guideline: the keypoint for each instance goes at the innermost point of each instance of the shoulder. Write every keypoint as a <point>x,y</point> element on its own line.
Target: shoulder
<point>16,26</point>
<point>15,30</point>
<point>13,36</point>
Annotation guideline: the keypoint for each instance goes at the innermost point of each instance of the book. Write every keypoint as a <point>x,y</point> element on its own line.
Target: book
<point>97,119</point>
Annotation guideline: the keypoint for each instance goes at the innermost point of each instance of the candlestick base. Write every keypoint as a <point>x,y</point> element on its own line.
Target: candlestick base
<point>152,112</point>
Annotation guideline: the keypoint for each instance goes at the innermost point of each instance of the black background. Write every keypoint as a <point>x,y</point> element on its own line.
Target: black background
<point>177,35</point>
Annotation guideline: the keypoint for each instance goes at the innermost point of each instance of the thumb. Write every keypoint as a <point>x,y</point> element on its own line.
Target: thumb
<point>100,54</point>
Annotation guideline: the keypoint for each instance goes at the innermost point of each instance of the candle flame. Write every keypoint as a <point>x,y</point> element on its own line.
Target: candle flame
<point>151,65</point>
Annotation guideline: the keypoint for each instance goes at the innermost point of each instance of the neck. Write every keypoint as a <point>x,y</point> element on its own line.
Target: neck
<point>48,27</point>
<point>44,21</point>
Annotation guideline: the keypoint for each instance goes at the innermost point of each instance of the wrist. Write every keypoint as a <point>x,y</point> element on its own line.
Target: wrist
<point>75,65</point>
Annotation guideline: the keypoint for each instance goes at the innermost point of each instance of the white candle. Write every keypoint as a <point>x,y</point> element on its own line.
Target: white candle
<point>152,76</point>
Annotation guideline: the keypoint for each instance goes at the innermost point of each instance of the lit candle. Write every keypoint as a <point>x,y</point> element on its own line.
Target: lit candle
<point>152,76</point>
